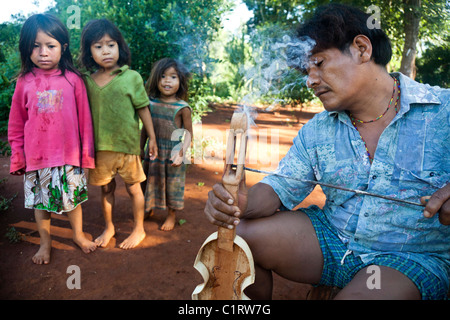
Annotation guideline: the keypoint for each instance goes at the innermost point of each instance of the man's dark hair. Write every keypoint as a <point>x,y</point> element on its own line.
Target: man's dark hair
<point>336,25</point>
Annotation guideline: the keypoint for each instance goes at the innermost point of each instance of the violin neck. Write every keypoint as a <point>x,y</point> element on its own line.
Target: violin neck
<point>225,238</point>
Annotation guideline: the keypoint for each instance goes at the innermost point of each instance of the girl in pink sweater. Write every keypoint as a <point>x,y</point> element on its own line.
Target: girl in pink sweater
<point>50,130</point>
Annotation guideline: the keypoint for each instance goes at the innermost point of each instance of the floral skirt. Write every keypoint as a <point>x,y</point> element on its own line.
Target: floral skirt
<point>58,189</point>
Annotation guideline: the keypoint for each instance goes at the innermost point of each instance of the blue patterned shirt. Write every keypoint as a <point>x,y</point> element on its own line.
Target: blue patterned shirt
<point>412,160</point>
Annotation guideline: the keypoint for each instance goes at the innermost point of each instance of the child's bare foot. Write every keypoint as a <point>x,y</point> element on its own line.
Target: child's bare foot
<point>169,224</point>
<point>85,244</point>
<point>133,240</point>
<point>105,237</point>
<point>43,255</point>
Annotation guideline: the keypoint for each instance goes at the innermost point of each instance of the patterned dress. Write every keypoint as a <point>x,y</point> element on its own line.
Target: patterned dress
<point>59,189</point>
<point>165,184</point>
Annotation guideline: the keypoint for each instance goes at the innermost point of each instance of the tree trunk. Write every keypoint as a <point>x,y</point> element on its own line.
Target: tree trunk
<point>411,23</point>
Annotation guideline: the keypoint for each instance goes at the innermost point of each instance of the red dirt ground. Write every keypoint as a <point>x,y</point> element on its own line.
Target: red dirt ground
<point>161,267</point>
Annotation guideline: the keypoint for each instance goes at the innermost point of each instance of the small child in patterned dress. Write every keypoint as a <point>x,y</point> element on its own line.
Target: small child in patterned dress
<point>167,88</point>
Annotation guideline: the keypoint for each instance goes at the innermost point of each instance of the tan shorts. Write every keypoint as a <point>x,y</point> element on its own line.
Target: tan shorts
<point>109,163</point>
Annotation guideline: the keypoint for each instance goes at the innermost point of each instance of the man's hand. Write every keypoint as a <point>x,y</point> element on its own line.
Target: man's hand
<point>257,202</point>
<point>220,207</point>
<point>439,202</point>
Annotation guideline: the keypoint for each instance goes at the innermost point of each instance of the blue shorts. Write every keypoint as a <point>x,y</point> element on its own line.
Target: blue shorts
<point>340,266</point>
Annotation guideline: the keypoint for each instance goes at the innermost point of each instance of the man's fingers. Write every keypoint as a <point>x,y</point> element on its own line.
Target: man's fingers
<point>221,213</point>
<point>438,202</point>
<point>222,193</point>
<point>444,214</point>
<point>426,213</point>
<point>221,206</point>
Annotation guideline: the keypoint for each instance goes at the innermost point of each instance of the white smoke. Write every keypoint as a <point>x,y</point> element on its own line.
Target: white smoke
<point>278,58</point>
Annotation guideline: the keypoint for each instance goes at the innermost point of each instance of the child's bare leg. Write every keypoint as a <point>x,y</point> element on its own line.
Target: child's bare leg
<point>137,201</point>
<point>107,208</point>
<point>148,214</point>
<point>170,220</point>
<point>76,221</point>
<point>43,224</point>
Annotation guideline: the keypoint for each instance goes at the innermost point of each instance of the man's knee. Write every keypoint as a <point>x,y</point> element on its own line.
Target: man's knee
<point>247,230</point>
<point>379,282</point>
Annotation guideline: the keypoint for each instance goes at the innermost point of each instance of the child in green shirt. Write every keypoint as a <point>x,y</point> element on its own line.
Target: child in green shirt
<point>117,99</point>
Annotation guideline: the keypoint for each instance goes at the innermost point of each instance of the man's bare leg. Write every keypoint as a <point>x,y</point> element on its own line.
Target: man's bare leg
<point>107,208</point>
<point>137,201</point>
<point>285,243</point>
<point>393,285</point>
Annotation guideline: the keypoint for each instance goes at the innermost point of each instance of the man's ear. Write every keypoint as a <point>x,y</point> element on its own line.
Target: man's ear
<point>364,47</point>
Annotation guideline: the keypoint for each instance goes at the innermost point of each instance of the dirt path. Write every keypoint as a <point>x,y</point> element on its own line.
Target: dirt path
<point>161,267</point>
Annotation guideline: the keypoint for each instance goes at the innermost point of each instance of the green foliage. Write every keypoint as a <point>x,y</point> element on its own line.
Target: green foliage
<point>434,18</point>
<point>268,77</point>
<point>13,235</point>
<point>9,67</point>
<point>5,149</point>
<point>5,202</point>
<point>219,62</point>
<point>434,66</point>
<point>199,91</point>
<point>267,12</point>
<point>157,29</point>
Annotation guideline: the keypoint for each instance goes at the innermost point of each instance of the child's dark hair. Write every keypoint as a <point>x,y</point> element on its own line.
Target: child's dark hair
<point>156,74</point>
<point>336,25</point>
<point>93,32</point>
<point>53,27</point>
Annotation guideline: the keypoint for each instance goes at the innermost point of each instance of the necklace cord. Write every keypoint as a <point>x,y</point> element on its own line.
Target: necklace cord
<point>396,84</point>
<point>354,120</point>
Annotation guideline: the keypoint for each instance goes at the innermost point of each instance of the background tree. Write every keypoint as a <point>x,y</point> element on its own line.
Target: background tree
<point>274,11</point>
<point>434,65</point>
<point>9,67</point>
<point>158,29</point>
<point>229,66</point>
<point>408,22</point>
<point>412,15</point>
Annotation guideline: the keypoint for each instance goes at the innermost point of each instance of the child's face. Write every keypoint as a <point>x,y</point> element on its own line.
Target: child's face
<point>105,52</point>
<point>169,84</point>
<point>46,52</point>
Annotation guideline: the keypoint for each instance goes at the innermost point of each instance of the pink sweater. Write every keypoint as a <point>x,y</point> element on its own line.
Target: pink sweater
<point>50,122</point>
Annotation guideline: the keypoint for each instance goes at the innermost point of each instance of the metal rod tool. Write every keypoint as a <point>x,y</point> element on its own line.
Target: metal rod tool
<point>361,192</point>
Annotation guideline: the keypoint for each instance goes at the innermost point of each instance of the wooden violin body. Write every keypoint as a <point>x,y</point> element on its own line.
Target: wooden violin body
<point>225,260</point>
<point>225,273</point>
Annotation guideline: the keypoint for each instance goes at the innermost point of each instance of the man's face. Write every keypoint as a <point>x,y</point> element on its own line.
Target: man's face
<point>333,76</point>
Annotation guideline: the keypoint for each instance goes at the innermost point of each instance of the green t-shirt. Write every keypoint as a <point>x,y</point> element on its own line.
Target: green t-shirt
<point>114,111</point>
